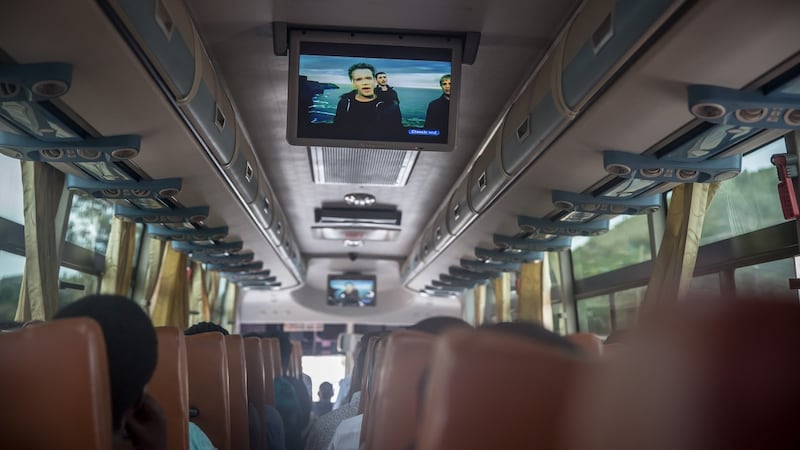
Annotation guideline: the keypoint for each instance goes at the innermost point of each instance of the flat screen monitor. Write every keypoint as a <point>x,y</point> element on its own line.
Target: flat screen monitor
<point>351,290</point>
<point>373,91</point>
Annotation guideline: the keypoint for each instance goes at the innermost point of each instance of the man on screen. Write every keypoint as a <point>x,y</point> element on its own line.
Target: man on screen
<point>350,296</point>
<point>361,113</point>
<point>438,115</point>
<point>384,91</point>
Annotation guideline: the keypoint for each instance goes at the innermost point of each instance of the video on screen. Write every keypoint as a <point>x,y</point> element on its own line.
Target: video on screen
<point>353,292</point>
<point>373,99</point>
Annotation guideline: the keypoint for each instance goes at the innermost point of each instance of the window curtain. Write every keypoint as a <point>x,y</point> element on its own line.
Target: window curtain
<point>674,265</point>
<point>468,307</point>
<point>502,297</point>
<point>119,258</point>
<point>534,293</point>
<point>211,279</point>
<point>198,295</point>
<point>46,212</point>
<point>480,304</point>
<point>170,297</point>
<point>151,252</point>
<point>231,305</point>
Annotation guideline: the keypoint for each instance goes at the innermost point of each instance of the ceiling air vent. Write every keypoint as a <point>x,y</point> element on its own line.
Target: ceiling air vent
<point>365,167</point>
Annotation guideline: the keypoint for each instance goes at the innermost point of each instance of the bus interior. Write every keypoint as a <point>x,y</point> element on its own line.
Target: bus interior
<point>598,161</point>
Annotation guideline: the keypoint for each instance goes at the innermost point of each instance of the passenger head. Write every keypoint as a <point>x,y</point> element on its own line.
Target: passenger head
<point>439,324</point>
<point>325,391</point>
<point>205,327</point>
<point>130,344</point>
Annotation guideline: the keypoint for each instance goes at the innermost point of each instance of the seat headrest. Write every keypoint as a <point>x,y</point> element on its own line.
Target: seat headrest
<point>208,386</point>
<point>492,389</point>
<point>170,385</point>
<point>711,377</point>
<point>395,405</point>
<point>237,379</point>
<point>255,382</point>
<point>270,371</point>
<point>55,387</point>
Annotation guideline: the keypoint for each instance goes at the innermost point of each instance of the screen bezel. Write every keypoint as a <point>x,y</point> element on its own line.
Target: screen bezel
<point>352,277</point>
<point>296,37</point>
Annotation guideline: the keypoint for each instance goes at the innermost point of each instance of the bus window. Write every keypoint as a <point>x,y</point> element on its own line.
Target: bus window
<point>594,315</point>
<point>748,202</point>
<point>626,306</point>
<point>89,223</point>
<point>706,286</point>
<point>11,207</point>
<point>11,269</point>
<point>626,243</point>
<point>74,284</point>
<point>766,280</point>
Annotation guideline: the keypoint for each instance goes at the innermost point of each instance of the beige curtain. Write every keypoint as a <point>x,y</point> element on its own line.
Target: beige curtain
<point>534,293</point>
<point>211,279</point>
<point>674,266</point>
<point>170,298</point>
<point>198,294</point>
<point>231,305</point>
<point>502,297</point>
<point>119,258</point>
<point>148,269</point>
<point>480,304</point>
<point>46,211</point>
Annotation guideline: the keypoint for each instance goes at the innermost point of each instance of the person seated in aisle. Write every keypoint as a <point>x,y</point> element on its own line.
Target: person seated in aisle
<point>252,412</point>
<point>291,398</point>
<point>324,427</point>
<point>324,405</point>
<point>348,433</point>
<point>137,419</point>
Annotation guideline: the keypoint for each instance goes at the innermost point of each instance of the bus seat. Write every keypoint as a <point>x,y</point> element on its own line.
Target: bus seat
<point>396,403</point>
<point>255,383</point>
<point>208,386</point>
<point>277,361</point>
<point>490,389</point>
<point>719,376</point>
<point>269,371</point>
<point>55,387</point>
<point>169,385</point>
<point>369,360</point>
<point>237,379</point>
<point>372,386</point>
<point>589,344</point>
<point>297,357</point>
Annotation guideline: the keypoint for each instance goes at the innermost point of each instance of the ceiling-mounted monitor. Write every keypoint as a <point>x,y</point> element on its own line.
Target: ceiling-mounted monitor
<point>356,290</point>
<point>365,90</point>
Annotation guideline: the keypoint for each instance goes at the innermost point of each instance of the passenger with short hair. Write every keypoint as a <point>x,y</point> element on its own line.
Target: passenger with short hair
<point>205,327</point>
<point>132,352</point>
<point>324,405</point>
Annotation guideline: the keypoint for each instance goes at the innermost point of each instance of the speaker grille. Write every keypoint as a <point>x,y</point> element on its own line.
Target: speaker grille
<point>366,167</point>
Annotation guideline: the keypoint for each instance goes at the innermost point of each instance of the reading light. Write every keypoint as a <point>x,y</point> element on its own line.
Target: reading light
<point>359,199</point>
